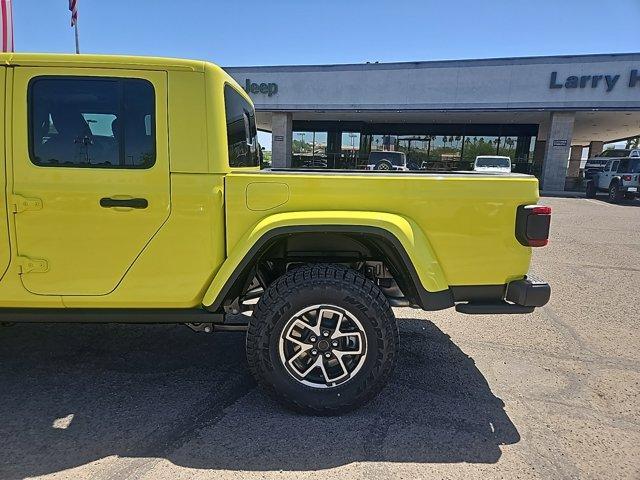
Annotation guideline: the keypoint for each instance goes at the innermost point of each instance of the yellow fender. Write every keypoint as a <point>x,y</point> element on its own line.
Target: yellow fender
<point>404,230</point>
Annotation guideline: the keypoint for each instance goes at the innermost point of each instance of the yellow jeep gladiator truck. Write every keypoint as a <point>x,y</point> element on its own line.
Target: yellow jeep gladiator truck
<point>133,193</point>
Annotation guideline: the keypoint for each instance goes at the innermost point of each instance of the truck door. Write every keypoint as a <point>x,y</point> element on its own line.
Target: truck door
<point>612,172</point>
<point>605,176</point>
<point>90,174</point>
<point>5,250</point>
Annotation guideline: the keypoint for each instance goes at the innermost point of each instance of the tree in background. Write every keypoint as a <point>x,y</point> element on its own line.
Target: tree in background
<point>301,146</point>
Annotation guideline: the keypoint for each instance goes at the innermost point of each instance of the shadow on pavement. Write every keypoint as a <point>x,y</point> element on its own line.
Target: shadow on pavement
<point>627,202</point>
<point>74,394</point>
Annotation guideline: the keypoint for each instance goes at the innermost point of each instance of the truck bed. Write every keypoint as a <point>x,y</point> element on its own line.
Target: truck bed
<point>467,217</point>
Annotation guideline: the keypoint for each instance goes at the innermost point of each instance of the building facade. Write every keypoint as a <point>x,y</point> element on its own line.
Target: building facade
<point>540,111</point>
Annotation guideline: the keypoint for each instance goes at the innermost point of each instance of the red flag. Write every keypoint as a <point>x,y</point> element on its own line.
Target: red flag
<point>73,7</point>
<point>7,26</point>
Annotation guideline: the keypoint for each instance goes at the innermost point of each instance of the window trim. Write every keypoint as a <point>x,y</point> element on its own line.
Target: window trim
<point>120,81</point>
<point>614,166</point>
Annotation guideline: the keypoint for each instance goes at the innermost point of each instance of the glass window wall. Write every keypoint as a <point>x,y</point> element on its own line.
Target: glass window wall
<point>445,152</point>
<point>309,149</point>
<point>417,149</point>
<point>350,150</point>
<point>507,147</point>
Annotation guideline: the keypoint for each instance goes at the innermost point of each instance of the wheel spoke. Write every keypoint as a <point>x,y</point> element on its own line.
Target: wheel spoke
<point>324,313</point>
<point>357,335</point>
<point>304,325</point>
<point>342,353</point>
<point>296,341</point>
<point>336,332</point>
<point>339,356</point>
<point>324,370</point>
<point>304,373</point>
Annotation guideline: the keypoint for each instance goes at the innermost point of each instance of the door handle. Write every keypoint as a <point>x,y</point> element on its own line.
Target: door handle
<point>108,202</point>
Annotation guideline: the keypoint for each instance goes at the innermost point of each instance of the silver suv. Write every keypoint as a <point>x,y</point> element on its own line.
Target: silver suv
<point>596,164</point>
<point>620,178</point>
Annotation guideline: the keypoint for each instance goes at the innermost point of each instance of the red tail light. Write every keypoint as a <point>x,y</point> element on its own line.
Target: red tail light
<point>532,225</point>
<point>626,178</point>
<point>540,210</point>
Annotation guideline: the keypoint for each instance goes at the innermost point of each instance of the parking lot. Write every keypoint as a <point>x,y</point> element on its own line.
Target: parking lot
<point>554,394</point>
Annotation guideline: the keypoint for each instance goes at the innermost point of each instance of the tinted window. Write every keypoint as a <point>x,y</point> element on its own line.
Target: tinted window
<point>92,122</point>
<point>615,152</point>
<point>614,167</point>
<point>242,135</point>
<point>629,166</point>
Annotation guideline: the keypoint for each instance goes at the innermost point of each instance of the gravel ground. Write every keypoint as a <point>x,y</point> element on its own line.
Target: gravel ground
<point>554,394</point>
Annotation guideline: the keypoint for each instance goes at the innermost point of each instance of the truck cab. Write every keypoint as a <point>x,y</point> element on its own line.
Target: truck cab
<point>133,193</point>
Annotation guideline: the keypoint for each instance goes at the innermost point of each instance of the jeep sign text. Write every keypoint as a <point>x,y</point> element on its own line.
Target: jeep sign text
<point>264,88</point>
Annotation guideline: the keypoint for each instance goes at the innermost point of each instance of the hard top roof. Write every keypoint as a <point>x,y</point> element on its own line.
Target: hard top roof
<point>104,61</point>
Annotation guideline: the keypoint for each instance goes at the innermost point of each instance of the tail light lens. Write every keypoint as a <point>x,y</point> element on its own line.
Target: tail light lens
<point>627,178</point>
<point>532,225</point>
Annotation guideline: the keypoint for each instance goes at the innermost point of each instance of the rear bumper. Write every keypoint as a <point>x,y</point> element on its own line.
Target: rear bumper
<point>528,292</point>
<point>520,296</point>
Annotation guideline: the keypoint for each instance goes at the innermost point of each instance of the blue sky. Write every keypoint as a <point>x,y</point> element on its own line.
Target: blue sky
<point>274,32</point>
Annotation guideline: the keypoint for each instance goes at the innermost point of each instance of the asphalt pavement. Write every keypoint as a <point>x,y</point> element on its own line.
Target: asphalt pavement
<point>554,394</point>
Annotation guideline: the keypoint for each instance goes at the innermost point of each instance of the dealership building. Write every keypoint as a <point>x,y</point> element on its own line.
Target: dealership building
<point>540,111</point>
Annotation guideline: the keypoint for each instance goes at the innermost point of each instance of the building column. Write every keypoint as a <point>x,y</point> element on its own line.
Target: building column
<point>281,139</point>
<point>575,157</point>
<point>595,148</point>
<point>556,153</point>
<point>538,156</point>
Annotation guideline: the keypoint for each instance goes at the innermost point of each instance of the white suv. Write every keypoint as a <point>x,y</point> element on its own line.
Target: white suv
<point>492,163</point>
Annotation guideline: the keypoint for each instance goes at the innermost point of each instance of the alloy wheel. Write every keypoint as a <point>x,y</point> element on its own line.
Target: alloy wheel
<point>323,346</point>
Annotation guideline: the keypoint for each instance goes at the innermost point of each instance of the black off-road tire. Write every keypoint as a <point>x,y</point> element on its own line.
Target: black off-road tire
<point>615,194</point>
<point>591,189</point>
<point>314,285</point>
<point>384,165</point>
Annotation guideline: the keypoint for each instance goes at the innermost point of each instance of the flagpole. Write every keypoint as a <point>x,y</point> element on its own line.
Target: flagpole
<point>77,40</point>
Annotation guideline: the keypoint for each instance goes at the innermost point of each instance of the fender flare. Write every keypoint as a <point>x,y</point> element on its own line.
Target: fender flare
<point>403,233</point>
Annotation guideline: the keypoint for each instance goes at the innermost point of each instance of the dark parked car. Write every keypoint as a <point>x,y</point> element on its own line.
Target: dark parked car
<point>387,161</point>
